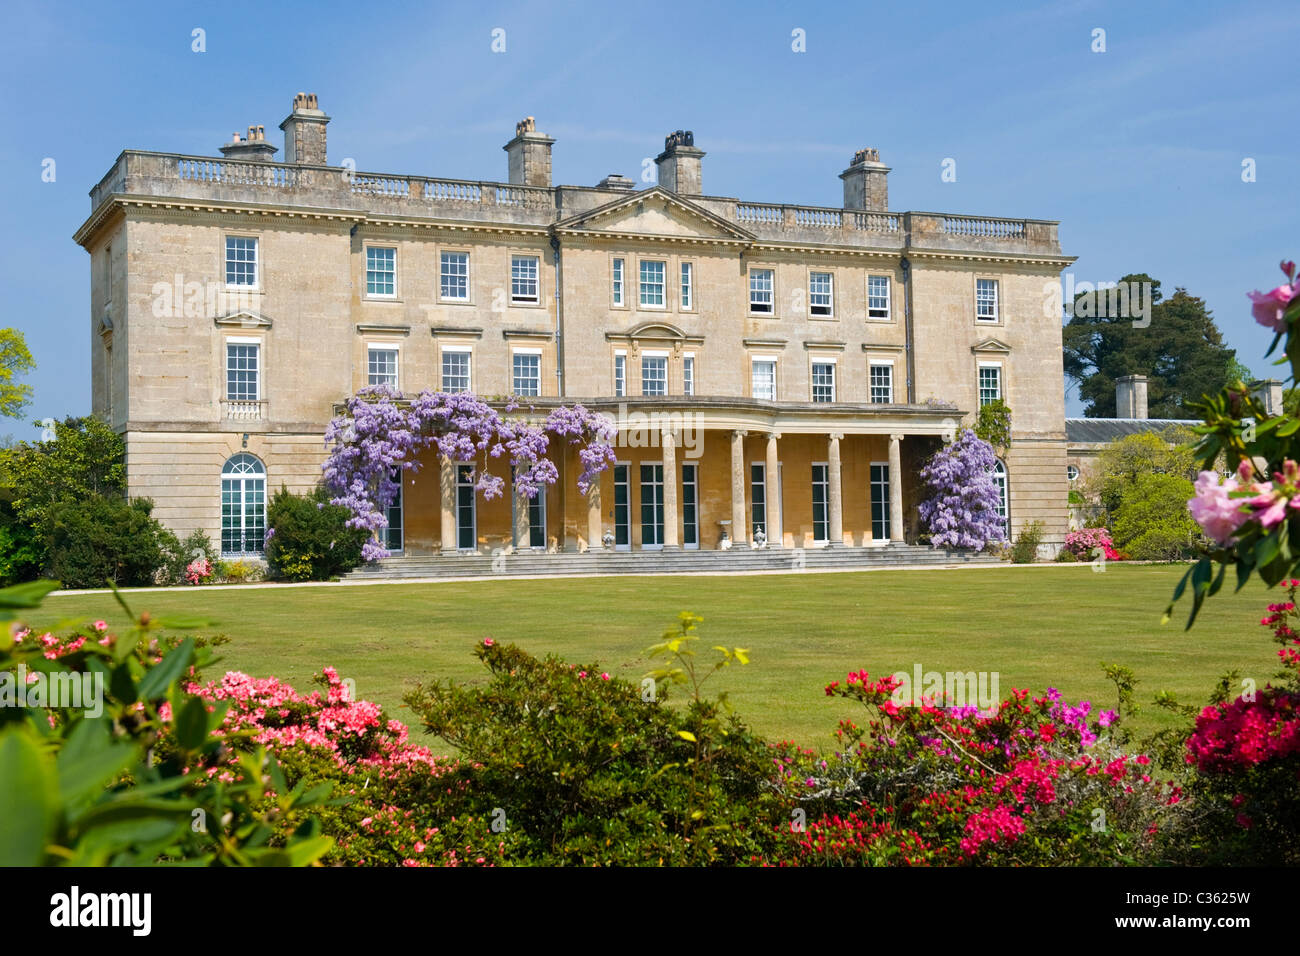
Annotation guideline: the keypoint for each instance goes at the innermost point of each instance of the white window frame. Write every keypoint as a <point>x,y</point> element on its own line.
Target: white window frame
<point>686,274</point>
<point>536,278</point>
<point>871,489</point>
<point>1071,477</point>
<point>443,275</point>
<point>257,344</point>
<point>256,260</point>
<point>620,373</point>
<point>829,305</point>
<point>618,281</point>
<point>888,299</point>
<point>377,247</point>
<point>401,511</point>
<point>979,384</point>
<point>770,292</point>
<point>871,387</point>
<point>997,301</point>
<point>1001,478</point>
<point>830,360</point>
<point>396,349</point>
<point>776,371</point>
<point>642,285</point>
<point>657,355</point>
<point>688,373</point>
<point>812,500</point>
<point>519,352</point>
<point>466,350</point>
<point>232,472</point>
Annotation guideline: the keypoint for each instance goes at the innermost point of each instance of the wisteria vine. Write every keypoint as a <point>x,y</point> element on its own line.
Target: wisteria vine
<point>380,435</point>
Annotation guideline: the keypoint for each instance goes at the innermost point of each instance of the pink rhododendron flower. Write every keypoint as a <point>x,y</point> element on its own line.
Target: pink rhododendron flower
<point>1269,308</point>
<point>1218,514</point>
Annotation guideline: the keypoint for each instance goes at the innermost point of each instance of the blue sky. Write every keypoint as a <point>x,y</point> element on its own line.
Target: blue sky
<point>1137,150</point>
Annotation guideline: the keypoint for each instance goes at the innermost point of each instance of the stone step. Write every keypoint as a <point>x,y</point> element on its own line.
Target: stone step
<point>657,562</point>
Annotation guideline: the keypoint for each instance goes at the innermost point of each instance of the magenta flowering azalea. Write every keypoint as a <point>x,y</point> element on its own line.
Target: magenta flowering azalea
<point>1218,514</point>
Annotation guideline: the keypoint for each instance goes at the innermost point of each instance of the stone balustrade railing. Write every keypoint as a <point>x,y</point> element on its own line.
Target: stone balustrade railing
<point>335,188</point>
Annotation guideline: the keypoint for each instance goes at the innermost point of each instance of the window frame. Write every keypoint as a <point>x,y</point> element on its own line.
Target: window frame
<point>656,355</point>
<point>996,318</point>
<point>872,365</point>
<point>468,298</point>
<point>244,341</point>
<point>686,285</point>
<point>688,379</point>
<point>367,249</point>
<point>979,383</point>
<point>396,349</point>
<point>516,299</point>
<point>517,353</point>
<point>226,240</point>
<point>641,284</point>
<point>618,282</point>
<point>830,294</point>
<point>889,299</point>
<point>258,473</point>
<point>754,271</point>
<point>765,359</point>
<point>468,352</point>
<point>620,373</point>
<point>828,361</point>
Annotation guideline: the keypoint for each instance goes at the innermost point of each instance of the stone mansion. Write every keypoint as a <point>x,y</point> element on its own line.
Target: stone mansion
<point>816,355</point>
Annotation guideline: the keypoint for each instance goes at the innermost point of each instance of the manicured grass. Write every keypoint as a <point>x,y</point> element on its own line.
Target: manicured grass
<point>1036,627</point>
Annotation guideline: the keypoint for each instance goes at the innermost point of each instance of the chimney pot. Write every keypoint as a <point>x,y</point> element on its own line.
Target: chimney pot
<point>304,132</point>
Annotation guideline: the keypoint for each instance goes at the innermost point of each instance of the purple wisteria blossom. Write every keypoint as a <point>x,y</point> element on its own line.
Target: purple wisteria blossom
<point>380,435</point>
<point>961,507</point>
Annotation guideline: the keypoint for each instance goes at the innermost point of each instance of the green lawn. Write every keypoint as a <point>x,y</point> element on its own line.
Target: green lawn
<point>1036,627</point>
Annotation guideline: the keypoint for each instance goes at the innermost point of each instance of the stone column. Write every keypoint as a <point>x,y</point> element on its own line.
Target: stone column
<point>739,520</point>
<point>519,537</point>
<point>595,527</point>
<point>672,541</point>
<point>774,529</point>
<point>834,503</point>
<point>447,484</point>
<point>895,489</point>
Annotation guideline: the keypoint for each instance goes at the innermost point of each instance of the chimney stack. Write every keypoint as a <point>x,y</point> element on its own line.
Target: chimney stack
<point>679,164</point>
<point>1268,392</point>
<point>866,183</point>
<point>616,181</point>
<point>255,147</point>
<point>529,155</point>
<point>1131,396</point>
<point>304,132</point>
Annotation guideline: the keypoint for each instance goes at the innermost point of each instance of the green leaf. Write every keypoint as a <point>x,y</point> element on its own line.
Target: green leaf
<point>90,760</point>
<point>686,735</point>
<point>28,800</point>
<point>160,676</point>
<point>180,622</point>
<point>192,724</point>
<point>21,597</point>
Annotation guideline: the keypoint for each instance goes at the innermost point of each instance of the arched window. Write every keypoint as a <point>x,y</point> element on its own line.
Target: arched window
<point>1000,478</point>
<point>243,506</point>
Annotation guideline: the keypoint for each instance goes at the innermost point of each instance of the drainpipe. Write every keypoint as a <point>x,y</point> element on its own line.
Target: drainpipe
<point>907,323</point>
<point>559,382</point>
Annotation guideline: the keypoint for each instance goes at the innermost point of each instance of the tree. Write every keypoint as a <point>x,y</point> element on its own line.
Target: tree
<point>1181,351</point>
<point>1123,462</point>
<point>85,458</point>
<point>15,358</point>
<point>960,509</point>
<point>1151,521</point>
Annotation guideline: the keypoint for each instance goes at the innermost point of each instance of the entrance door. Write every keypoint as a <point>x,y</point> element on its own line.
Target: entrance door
<point>622,510</point>
<point>690,506</point>
<point>466,518</point>
<point>652,507</point>
<point>821,519</point>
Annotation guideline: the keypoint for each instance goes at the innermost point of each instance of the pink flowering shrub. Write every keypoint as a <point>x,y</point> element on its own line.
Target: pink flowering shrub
<point>198,571</point>
<point>1024,783</point>
<point>1086,543</point>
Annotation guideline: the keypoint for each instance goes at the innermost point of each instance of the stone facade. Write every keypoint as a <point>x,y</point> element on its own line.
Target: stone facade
<point>323,277</point>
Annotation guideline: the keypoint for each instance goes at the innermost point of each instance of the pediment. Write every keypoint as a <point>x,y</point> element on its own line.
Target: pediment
<point>654,331</point>
<point>655,212</point>
<point>991,345</point>
<point>243,319</point>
